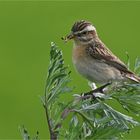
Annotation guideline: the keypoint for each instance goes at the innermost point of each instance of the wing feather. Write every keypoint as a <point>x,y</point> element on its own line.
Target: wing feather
<point>99,51</point>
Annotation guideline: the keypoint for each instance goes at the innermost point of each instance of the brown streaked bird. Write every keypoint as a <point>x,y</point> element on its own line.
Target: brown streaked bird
<point>93,59</point>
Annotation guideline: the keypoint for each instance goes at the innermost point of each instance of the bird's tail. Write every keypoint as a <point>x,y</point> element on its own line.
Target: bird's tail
<point>133,77</point>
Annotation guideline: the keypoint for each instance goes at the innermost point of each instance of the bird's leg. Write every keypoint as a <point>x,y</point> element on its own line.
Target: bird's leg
<point>92,85</point>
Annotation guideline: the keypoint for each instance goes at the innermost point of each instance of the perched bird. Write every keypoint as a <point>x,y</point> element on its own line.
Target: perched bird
<point>93,59</point>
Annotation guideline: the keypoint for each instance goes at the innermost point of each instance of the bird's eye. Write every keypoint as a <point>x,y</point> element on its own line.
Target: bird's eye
<point>84,33</point>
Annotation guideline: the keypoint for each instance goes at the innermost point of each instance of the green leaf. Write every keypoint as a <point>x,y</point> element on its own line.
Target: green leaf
<point>130,98</point>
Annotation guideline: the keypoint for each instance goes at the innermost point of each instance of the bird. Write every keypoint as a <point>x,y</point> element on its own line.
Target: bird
<point>93,59</point>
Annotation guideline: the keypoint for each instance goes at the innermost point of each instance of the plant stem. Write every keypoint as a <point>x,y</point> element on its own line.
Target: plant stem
<point>99,89</point>
<point>90,94</point>
<point>53,135</point>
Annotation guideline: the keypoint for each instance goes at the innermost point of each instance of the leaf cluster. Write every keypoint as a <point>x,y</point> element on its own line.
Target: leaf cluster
<point>89,118</point>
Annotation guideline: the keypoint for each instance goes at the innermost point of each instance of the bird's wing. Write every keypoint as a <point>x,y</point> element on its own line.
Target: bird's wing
<point>99,51</point>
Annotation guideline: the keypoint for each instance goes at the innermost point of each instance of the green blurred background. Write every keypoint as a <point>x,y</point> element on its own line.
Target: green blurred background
<point>26,30</point>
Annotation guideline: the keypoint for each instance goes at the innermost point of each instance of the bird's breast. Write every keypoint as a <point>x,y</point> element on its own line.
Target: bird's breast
<point>78,53</point>
<point>93,69</point>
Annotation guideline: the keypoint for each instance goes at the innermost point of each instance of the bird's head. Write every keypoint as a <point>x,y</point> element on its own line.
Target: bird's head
<point>82,31</point>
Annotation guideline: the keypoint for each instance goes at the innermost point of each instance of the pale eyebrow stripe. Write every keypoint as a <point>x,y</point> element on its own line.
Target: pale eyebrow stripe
<point>88,28</point>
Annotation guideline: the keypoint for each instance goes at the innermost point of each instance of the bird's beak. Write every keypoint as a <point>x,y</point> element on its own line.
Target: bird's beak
<point>68,37</point>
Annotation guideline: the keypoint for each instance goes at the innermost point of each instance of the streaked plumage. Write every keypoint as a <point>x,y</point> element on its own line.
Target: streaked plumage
<point>93,59</point>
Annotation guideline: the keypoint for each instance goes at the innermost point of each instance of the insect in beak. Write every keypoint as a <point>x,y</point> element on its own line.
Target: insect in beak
<point>68,37</point>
